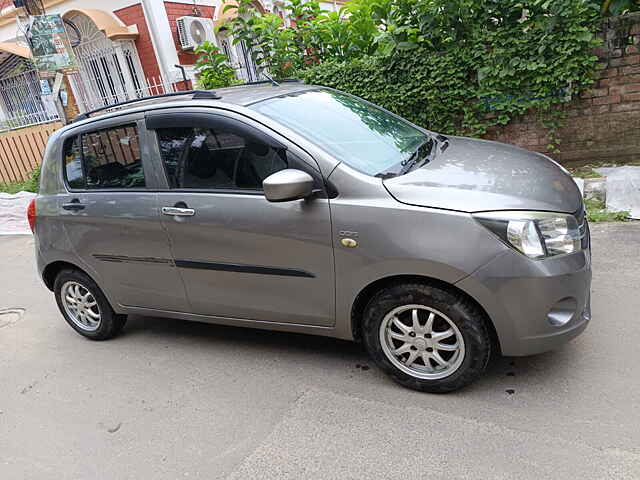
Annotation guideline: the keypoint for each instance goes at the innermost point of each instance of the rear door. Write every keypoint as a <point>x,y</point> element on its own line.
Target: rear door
<point>239,255</point>
<point>110,215</point>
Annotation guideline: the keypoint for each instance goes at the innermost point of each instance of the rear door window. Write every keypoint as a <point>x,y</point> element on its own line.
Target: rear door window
<point>104,159</point>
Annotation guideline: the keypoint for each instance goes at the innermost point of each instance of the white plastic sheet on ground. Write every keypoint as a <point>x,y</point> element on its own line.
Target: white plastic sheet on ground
<point>13,213</point>
<point>623,189</point>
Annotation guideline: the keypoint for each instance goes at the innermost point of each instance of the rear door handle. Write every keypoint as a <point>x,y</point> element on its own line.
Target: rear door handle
<point>74,205</point>
<point>177,211</point>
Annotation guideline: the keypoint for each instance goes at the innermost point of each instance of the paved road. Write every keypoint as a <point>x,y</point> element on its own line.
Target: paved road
<point>170,399</point>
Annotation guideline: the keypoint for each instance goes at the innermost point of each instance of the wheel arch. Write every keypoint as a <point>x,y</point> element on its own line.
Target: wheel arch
<point>369,290</point>
<point>52,270</point>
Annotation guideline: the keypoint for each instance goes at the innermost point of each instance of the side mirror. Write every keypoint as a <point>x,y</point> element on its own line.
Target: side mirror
<point>287,185</point>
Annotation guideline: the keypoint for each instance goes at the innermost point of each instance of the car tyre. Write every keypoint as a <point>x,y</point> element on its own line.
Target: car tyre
<point>389,328</point>
<point>85,307</point>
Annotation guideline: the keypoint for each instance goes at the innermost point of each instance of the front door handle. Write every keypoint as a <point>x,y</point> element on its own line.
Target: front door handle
<point>177,211</point>
<point>73,205</point>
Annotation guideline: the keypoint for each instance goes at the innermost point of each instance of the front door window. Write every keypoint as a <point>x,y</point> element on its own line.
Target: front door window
<point>217,158</point>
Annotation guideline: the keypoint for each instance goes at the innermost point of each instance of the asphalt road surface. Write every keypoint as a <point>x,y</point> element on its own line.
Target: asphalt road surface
<point>172,400</point>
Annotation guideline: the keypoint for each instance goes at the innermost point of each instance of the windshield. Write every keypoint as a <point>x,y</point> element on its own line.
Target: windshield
<point>353,131</point>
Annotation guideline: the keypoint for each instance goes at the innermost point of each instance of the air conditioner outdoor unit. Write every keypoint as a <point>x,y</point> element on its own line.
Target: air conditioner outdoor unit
<point>193,31</point>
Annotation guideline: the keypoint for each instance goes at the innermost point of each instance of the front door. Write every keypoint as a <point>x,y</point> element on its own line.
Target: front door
<point>110,218</point>
<point>239,255</point>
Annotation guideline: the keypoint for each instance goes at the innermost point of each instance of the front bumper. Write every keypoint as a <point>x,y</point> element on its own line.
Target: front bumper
<point>535,306</point>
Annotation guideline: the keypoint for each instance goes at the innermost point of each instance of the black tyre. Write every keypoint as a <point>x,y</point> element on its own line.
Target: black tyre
<point>427,338</point>
<point>85,307</point>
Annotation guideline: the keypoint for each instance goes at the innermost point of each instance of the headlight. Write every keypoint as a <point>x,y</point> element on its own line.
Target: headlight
<point>536,234</point>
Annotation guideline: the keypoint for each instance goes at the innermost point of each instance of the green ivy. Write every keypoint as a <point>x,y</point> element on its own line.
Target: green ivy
<point>463,66</point>
<point>430,90</point>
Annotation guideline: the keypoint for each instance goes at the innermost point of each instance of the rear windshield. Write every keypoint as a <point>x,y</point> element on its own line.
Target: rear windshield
<point>351,130</point>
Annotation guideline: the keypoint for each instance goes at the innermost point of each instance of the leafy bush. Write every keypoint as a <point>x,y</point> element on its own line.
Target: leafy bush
<point>315,35</point>
<point>212,67</point>
<point>463,66</point>
<point>31,184</point>
<point>273,47</point>
<point>430,90</point>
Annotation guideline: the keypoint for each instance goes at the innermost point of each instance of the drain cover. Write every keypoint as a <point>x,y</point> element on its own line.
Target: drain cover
<point>10,316</point>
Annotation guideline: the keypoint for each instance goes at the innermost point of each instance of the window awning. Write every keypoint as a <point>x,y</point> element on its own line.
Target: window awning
<point>106,22</point>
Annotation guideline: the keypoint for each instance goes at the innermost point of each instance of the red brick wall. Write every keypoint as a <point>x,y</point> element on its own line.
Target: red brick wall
<point>134,15</point>
<point>604,123</point>
<point>177,10</point>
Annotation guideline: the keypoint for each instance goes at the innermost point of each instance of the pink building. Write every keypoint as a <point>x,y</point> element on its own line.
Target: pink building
<point>125,49</point>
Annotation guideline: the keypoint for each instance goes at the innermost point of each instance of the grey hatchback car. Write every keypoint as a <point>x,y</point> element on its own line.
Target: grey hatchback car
<point>304,209</point>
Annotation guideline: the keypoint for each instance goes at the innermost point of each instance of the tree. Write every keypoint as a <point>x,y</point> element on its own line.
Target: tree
<point>213,68</point>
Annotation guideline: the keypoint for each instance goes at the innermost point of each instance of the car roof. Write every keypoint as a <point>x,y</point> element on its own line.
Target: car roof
<point>240,95</point>
<point>247,94</point>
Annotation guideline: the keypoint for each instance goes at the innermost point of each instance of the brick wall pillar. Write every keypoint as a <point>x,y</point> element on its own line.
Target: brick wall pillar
<point>134,15</point>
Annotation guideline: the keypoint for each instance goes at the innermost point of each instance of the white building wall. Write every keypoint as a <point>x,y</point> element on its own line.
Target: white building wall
<point>163,44</point>
<point>330,6</point>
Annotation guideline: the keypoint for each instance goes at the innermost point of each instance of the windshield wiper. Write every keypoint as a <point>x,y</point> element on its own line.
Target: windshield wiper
<point>444,142</point>
<point>414,159</point>
<point>386,175</point>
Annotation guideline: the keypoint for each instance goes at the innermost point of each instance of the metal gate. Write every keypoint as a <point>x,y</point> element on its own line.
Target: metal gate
<point>240,59</point>
<point>108,71</point>
<point>247,68</point>
<point>22,103</point>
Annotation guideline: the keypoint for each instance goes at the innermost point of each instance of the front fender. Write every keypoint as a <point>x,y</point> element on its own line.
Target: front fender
<point>403,240</point>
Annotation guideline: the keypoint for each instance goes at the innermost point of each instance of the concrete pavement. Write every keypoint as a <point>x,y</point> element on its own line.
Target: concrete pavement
<point>171,399</point>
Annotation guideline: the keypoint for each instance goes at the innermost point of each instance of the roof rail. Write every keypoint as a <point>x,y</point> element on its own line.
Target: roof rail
<point>197,94</point>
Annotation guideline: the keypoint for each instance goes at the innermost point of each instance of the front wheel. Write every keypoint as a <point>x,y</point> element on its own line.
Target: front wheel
<point>425,337</point>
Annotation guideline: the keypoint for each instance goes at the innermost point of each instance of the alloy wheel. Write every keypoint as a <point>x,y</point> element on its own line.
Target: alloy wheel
<point>81,306</point>
<point>422,342</point>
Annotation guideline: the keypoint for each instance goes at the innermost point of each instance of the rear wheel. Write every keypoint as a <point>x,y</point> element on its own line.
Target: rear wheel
<point>85,307</point>
<point>425,337</point>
